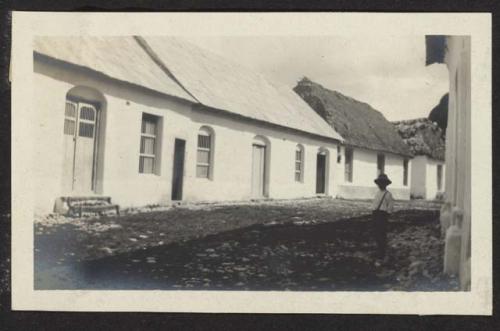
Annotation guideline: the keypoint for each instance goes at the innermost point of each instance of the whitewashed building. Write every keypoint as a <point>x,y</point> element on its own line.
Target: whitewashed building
<point>149,120</point>
<point>427,144</point>
<point>455,52</point>
<point>371,143</point>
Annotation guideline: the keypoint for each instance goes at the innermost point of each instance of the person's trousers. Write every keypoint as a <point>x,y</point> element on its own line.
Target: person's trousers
<point>380,231</point>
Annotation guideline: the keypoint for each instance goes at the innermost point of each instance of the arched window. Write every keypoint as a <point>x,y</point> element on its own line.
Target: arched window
<point>204,159</point>
<point>299,163</point>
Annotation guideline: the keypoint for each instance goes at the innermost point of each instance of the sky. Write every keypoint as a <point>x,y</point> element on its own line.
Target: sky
<point>388,72</point>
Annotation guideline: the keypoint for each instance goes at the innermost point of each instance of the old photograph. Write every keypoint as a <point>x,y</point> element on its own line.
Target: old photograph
<point>255,163</point>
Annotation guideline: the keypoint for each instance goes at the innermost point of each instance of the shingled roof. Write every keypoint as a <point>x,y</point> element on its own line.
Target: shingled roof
<point>174,67</point>
<point>223,84</point>
<point>120,58</point>
<point>423,136</point>
<point>358,123</point>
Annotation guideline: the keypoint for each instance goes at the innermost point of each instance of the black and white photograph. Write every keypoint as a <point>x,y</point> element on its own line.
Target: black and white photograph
<point>204,162</point>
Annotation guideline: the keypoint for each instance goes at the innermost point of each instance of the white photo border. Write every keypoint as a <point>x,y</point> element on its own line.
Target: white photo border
<point>26,25</point>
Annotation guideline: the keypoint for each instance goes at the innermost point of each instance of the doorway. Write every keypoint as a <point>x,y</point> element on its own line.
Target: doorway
<point>178,169</point>
<point>81,124</point>
<point>258,170</point>
<point>321,173</point>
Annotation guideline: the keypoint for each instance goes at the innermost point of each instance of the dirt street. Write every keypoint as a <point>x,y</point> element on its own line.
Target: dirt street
<point>313,244</point>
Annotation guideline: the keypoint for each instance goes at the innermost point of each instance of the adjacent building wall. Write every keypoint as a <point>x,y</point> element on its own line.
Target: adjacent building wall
<point>123,114</point>
<point>431,178</point>
<point>458,143</point>
<point>418,177</point>
<point>365,171</point>
<point>424,179</point>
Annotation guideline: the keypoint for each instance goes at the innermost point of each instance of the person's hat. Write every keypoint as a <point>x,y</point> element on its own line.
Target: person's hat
<point>382,179</point>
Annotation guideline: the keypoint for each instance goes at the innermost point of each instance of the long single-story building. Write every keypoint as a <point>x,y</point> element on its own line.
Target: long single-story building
<point>371,143</point>
<point>150,120</point>
<point>426,141</point>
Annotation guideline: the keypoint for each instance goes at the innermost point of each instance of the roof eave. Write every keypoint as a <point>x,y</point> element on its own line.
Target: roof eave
<point>408,155</point>
<point>202,107</point>
<point>43,57</point>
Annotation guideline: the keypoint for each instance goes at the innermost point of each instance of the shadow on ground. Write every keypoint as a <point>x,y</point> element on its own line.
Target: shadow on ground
<point>291,256</point>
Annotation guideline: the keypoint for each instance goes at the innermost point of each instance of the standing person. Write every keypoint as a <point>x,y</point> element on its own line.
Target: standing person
<point>382,206</point>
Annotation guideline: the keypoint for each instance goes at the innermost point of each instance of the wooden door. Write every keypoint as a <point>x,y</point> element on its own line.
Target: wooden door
<point>320,173</point>
<point>178,169</point>
<point>80,126</point>
<point>258,170</point>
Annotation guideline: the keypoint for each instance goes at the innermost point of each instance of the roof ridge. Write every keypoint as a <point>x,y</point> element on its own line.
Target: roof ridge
<point>306,80</point>
<point>151,53</point>
<point>213,81</point>
<point>412,120</point>
<point>358,122</point>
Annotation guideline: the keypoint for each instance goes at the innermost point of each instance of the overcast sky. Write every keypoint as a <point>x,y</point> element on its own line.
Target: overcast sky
<point>388,72</point>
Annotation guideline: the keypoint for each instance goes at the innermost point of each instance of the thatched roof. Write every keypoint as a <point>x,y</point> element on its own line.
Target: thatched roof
<point>357,122</point>
<point>120,58</point>
<point>423,136</point>
<point>219,83</point>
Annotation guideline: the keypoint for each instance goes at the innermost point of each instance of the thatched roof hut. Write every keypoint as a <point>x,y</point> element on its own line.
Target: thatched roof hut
<point>358,123</point>
<point>423,136</point>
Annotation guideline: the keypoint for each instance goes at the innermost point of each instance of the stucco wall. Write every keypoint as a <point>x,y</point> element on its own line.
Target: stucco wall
<point>431,178</point>
<point>233,159</point>
<point>458,144</point>
<point>424,177</point>
<point>418,177</point>
<point>120,177</point>
<point>365,171</point>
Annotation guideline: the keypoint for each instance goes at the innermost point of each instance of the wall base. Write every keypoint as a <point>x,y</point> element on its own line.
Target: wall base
<point>368,192</point>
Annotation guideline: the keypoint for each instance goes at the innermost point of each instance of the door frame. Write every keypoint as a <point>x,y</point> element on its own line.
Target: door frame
<point>266,143</point>
<point>178,195</point>
<point>326,173</point>
<point>264,172</point>
<point>97,135</point>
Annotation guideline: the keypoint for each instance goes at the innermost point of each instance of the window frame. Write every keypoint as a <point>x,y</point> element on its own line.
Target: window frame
<point>156,120</point>
<point>68,119</point>
<point>299,149</point>
<point>439,177</point>
<point>348,164</point>
<point>380,156</point>
<point>406,164</point>
<point>208,132</point>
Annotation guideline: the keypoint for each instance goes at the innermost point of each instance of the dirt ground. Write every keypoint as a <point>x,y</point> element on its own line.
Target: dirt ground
<point>312,244</point>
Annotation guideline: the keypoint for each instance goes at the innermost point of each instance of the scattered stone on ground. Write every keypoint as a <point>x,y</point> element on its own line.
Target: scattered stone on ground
<point>314,244</point>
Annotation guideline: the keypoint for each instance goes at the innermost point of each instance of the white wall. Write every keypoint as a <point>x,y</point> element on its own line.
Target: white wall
<point>365,171</point>
<point>418,177</point>
<point>458,143</point>
<point>431,178</point>
<point>233,160</point>
<point>424,177</point>
<point>121,179</point>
